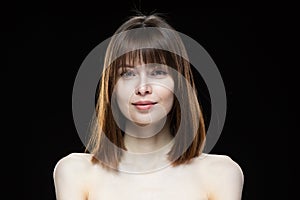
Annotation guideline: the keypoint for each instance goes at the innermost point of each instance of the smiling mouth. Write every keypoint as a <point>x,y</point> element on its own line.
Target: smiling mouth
<point>144,105</point>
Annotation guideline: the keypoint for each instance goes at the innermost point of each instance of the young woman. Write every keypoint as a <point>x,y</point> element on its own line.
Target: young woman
<point>149,132</point>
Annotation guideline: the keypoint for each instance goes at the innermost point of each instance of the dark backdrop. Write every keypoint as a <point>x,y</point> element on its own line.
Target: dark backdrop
<point>244,43</point>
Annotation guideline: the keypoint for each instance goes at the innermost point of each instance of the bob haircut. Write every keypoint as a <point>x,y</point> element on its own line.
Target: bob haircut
<point>106,142</point>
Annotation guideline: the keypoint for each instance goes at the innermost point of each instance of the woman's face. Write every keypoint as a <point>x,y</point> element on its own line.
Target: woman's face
<point>145,93</point>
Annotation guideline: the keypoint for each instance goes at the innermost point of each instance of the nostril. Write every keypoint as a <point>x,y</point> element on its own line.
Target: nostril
<point>145,89</point>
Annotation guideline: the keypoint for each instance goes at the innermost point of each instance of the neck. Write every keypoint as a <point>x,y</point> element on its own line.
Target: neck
<point>146,149</point>
<point>147,138</point>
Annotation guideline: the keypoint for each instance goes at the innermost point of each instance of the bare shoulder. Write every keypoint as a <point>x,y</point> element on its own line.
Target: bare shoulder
<point>219,162</point>
<point>71,176</point>
<point>73,165</point>
<point>223,175</point>
<point>220,165</point>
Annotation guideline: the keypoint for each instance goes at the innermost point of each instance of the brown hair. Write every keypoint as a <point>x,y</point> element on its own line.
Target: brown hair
<point>106,131</point>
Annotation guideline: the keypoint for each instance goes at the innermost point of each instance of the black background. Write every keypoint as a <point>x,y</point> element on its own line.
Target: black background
<point>245,43</point>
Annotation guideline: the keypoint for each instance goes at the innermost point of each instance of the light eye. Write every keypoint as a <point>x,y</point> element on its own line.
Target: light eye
<point>159,73</point>
<point>128,74</point>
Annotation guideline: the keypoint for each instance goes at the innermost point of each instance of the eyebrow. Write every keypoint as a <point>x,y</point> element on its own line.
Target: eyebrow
<point>129,66</point>
<point>123,67</point>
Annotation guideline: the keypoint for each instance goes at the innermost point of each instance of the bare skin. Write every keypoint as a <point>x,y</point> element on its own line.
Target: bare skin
<point>149,175</point>
<point>208,177</point>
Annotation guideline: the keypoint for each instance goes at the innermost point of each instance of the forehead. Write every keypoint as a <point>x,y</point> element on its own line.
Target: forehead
<point>143,56</point>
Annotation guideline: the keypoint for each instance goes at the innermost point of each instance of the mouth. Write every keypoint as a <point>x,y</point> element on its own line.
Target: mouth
<point>144,105</point>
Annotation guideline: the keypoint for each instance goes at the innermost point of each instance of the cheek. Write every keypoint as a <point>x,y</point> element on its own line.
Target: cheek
<point>123,94</point>
<point>122,98</point>
<point>167,94</point>
<point>167,98</point>
<point>170,100</point>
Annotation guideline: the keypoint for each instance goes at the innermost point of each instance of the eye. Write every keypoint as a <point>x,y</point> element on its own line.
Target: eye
<point>128,74</point>
<point>159,73</point>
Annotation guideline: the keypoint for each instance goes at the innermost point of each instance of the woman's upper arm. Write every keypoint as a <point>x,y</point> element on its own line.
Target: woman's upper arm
<point>70,178</point>
<point>227,180</point>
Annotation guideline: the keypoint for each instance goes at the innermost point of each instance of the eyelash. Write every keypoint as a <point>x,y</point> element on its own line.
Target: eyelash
<point>127,73</point>
<point>160,71</point>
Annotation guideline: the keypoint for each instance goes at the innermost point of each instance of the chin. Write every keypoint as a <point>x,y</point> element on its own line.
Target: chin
<point>142,123</point>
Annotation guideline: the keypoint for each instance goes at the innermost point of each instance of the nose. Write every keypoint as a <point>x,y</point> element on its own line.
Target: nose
<point>143,90</point>
<point>144,87</point>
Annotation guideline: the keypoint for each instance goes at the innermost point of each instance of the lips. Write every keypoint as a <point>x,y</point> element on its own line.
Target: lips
<point>144,105</point>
